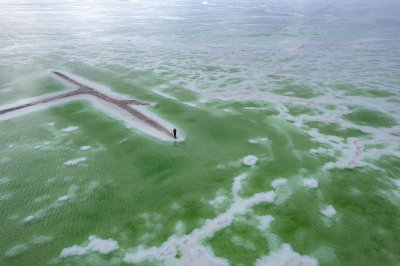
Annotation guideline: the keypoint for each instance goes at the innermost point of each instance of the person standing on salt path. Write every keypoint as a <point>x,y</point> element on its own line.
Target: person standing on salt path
<point>174,132</point>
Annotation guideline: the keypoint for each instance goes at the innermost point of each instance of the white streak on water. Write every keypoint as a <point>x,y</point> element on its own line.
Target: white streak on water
<point>75,161</point>
<point>85,148</point>
<point>70,128</point>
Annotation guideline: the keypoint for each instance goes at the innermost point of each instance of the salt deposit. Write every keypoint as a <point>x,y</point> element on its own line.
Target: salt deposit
<point>250,160</point>
<point>278,182</point>
<point>102,246</point>
<point>75,161</point>
<point>286,256</point>
<point>310,183</point>
<point>329,211</point>
<point>70,128</point>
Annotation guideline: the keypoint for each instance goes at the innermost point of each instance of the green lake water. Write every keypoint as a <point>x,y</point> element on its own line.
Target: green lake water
<point>290,112</point>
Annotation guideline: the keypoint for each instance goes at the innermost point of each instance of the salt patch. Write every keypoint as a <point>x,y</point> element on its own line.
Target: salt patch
<point>286,256</point>
<point>165,95</point>
<point>264,222</point>
<point>37,240</point>
<point>64,198</point>
<point>70,129</point>
<point>103,246</point>
<point>250,160</point>
<point>75,161</point>
<point>28,218</point>
<point>396,182</point>
<point>217,201</point>
<point>16,250</point>
<point>75,250</point>
<point>278,182</point>
<point>329,211</point>
<point>310,183</point>
<point>190,104</point>
<point>203,100</point>
<point>85,148</point>
<point>4,180</point>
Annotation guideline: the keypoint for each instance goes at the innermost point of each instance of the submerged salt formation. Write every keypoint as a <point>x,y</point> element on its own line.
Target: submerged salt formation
<point>118,108</point>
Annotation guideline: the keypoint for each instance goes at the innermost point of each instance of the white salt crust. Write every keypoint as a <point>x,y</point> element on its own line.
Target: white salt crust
<point>310,183</point>
<point>285,256</point>
<point>250,160</point>
<point>75,161</point>
<point>278,182</point>
<point>329,211</point>
<point>102,246</point>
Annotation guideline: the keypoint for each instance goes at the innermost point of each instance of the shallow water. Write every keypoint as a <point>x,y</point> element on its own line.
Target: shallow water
<point>290,112</point>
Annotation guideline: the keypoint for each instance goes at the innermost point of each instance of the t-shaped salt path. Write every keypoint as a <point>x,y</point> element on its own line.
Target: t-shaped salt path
<point>120,105</point>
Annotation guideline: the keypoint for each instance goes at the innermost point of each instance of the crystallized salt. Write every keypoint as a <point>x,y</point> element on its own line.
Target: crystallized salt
<point>250,160</point>
<point>64,198</point>
<point>69,129</point>
<point>286,256</point>
<point>329,211</point>
<point>310,183</point>
<point>278,182</point>
<point>28,218</point>
<point>103,246</point>
<point>75,161</point>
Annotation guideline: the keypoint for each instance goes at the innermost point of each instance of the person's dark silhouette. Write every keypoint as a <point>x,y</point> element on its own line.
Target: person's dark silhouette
<point>174,132</point>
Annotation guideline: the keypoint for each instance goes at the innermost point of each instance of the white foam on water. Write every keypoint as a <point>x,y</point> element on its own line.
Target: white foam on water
<point>51,124</point>
<point>64,198</point>
<point>329,211</point>
<point>70,128</point>
<point>37,146</point>
<point>310,183</point>
<point>278,182</point>
<point>85,148</point>
<point>46,142</point>
<point>264,222</point>
<point>102,246</point>
<point>10,146</point>
<point>254,141</point>
<point>75,161</point>
<point>285,256</point>
<point>189,245</point>
<point>16,250</point>
<point>205,3</point>
<point>250,160</point>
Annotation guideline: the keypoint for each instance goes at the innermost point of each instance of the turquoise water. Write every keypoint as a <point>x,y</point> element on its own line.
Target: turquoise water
<point>290,112</point>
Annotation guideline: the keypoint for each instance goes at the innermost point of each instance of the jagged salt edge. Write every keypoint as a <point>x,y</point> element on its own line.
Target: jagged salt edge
<point>192,241</point>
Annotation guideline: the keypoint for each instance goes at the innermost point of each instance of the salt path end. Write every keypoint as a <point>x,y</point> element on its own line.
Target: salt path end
<point>132,112</point>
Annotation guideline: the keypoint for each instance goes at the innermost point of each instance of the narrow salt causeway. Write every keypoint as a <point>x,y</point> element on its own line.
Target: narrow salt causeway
<point>113,104</point>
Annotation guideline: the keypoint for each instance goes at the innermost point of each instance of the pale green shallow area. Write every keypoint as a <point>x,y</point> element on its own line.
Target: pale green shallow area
<point>328,110</point>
